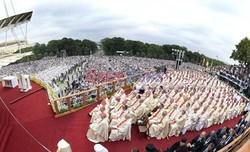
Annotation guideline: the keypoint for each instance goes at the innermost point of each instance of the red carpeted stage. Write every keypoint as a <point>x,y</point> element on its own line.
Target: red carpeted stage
<point>37,117</point>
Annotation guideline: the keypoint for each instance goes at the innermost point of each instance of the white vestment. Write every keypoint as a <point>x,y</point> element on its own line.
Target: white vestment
<point>122,131</point>
<point>98,132</point>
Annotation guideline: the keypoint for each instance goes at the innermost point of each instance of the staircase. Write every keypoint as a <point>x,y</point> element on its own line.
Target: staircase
<point>5,126</point>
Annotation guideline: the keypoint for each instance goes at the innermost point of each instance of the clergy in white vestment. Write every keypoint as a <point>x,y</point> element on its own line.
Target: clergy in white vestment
<point>133,101</point>
<point>174,112</point>
<point>190,123</point>
<point>96,114</point>
<point>152,103</point>
<point>169,104</point>
<point>123,112</point>
<point>159,128</point>
<point>159,90</point>
<point>104,103</point>
<point>114,101</point>
<point>120,105</point>
<point>202,119</point>
<point>148,97</point>
<point>122,131</point>
<point>132,94</point>
<point>98,131</point>
<point>177,124</point>
<point>163,97</point>
<point>157,114</point>
<point>138,110</point>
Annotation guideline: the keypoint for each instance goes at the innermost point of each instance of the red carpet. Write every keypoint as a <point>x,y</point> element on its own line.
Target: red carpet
<point>10,94</point>
<point>37,117</point>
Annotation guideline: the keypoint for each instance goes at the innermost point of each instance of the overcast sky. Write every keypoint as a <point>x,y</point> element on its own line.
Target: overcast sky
<point>212,27</point>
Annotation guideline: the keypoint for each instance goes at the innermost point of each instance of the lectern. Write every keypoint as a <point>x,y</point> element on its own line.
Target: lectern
<point>24,83</point>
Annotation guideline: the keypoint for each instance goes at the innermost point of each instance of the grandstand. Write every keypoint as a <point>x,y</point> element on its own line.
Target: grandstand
<point>13,42</point>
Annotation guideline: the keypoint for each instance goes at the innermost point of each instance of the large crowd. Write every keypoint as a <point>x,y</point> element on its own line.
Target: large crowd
<point>237,75</point>
<point>67,75</point>
<point>166,105</point>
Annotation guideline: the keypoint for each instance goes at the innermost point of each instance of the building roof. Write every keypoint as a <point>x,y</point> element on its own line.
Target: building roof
<point>14,20</point>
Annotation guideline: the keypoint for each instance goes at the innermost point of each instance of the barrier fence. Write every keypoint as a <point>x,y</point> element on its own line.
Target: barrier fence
<point>74,102</point>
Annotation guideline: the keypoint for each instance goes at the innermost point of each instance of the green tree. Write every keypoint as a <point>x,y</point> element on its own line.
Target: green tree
<point>242,52</point>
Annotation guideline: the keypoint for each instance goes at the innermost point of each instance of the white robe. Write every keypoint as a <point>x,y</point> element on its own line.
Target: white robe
<point>121,132</point>
<point>98,132</point>
<point>159,129</point>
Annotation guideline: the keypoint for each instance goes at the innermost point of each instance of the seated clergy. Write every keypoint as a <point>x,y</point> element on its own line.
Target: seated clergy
<point>148,97</point>
<point>104,103</point>
<point>159,128</point>
<point>177,124</point>
<point>156,112</point>
<point>122,130</point>
<point>98,131</point>
<point>152,103</point>
<point>133,101</point>
<point>114,101</point>
<point>202,120</point>
<point>96,114</point>
<point>174,112</point>
<point>191,121</point>
<point>138,110</point>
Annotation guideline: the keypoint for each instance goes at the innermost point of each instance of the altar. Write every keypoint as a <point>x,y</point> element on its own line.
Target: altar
<point>10,82</point>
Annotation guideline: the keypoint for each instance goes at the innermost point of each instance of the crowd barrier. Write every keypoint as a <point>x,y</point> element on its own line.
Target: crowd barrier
<point>237,84</point>
<point>74,102</point>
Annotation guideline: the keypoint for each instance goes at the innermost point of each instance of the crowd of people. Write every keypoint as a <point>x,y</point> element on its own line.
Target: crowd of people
<point>67,75</point>
<point>181,101</point>
<point>237,75</point>
<point>166,105</point>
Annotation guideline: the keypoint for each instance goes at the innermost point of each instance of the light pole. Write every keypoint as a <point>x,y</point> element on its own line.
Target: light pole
<point>213,61</point>
<point>179,57</point>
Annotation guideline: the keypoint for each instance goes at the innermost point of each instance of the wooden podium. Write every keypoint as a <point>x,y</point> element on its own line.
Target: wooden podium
<point>10,82</point>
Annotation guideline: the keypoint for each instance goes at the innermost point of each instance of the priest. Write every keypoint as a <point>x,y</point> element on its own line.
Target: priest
<point>98,131</point>
<point>121,131</point>
<point>159,128</point>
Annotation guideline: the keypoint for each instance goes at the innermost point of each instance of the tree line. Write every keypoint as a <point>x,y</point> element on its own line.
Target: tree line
<point>137,48</point>
<point>64,46</point>
<point>110,46</point>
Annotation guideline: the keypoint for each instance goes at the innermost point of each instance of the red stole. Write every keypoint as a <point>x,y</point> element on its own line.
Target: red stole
<point>134,102</point>
<point>171,113</point>
<point>182,103</point>
<point>157,112</point>
<point>175,95</point>
<point>168,106</point>
<point>178,99</point>
<point>122,123</point>
<point>121,113</point>
<point>162,119</point>
<point>119,108</point>
<point>137,106</point>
